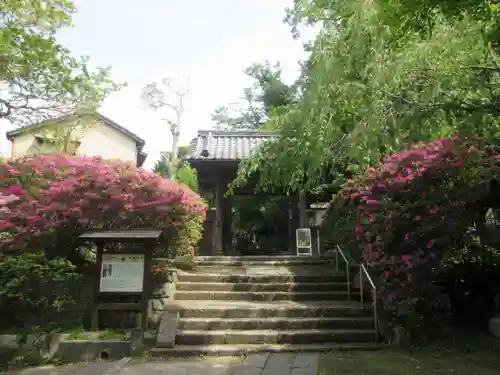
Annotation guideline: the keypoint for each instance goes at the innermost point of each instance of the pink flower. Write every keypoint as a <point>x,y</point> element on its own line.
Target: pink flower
<point>6,199</point>
<point>15,190</point>
<point>5,225</point>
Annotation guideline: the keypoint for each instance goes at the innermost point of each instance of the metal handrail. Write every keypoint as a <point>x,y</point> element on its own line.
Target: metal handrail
<point>363,270</point>
<point>347,266</point>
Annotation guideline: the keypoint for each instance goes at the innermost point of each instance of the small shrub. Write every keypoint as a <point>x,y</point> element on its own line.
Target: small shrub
<point>35,291</point>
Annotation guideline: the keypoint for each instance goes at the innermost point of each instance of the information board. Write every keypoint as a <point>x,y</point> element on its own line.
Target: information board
<point>122,273</point>
<point>304,241</point>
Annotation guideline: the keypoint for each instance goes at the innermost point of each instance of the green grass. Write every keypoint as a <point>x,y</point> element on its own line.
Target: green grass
<point>466,356</point>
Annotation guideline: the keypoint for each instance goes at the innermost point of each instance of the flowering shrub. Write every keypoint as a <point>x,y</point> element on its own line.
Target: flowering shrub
<point>415,212</point>
<point>52,199</point>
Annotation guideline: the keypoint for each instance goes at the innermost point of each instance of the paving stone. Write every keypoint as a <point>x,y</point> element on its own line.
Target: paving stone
<point>303,371</point>
<point>95,368</point>
<point>279,364</point>
<point>49,370</point>
<point>305,361</point>
<point>216,366</point>
<point>256,360</point>
<point>247,371</point>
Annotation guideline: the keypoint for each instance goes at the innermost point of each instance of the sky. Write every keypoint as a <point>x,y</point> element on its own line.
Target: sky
<point>208,42</point>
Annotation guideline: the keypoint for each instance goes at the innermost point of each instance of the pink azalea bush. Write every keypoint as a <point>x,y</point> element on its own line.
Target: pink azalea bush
<point>46,199</point>
<point>414,212</point>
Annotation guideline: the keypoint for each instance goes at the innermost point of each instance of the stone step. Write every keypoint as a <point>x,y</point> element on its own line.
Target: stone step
<point>264,261</point>
<point>261,287</point>
<point>250,258</point>
<point>205,324</point>
<point>254,337</point>
<point>282,309</point>
<point>262,296</point>
<point>269,270</point>
<point>237,350</point>
<point>258,279</point>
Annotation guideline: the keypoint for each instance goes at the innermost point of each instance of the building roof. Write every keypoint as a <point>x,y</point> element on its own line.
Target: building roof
<point>139,141</point>
<point>121,234</point>
<point>141,155</point>
<point>227,145</point>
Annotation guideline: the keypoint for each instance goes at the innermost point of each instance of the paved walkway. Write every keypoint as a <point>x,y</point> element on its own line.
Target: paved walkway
<point>279,364</point>
<point>254,364</point>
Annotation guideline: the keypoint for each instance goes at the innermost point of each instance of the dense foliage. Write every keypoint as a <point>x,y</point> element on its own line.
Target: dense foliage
<point>59,196</point>
<point>382,76</point>
<point>36,291</point>
<point>372,86</point>
<point>46,202</point>
<point>418,214</point>
<point>183,174</point>
<point>39,78</point>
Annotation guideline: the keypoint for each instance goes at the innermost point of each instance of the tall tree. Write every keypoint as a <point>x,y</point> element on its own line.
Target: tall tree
<point>165,94</point>
<point>39,78</point>
<point>267,94</point>
<point>162,166</point>
<point>371,87</point>
<point>184,173</point>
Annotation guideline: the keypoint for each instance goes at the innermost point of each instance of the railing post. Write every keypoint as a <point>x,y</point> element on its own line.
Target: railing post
<point>337,260</point>
<point>361,292</point>
<point>348,282</point>
<point>375,314</point>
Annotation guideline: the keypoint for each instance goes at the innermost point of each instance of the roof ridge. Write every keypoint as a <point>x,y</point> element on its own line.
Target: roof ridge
<point>232,145</point>
<point>60,119</point>
<point>224,133</point>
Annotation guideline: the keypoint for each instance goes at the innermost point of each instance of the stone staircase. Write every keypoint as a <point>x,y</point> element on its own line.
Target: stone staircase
<point>231,305</point>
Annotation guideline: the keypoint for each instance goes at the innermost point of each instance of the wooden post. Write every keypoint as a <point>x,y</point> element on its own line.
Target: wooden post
<point>227,239</point>
<point>146,286</point>
<point>294,222</point>
<point>94,312</point>
<point>303,210</point>
<point>219,214</point>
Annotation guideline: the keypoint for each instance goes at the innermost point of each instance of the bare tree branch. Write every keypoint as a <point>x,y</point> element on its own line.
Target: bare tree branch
<point>164,94</point>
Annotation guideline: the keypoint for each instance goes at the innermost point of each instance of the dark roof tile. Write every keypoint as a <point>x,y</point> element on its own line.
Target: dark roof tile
<point>227,145</point>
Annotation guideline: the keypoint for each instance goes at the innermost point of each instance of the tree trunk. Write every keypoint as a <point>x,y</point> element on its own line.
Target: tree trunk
<point>175,130</point>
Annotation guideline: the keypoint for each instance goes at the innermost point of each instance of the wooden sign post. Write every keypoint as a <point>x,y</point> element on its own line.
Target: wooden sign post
<point>124,281</point>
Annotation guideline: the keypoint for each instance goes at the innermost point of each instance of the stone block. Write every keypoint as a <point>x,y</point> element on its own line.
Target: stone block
<point>494,326</point>
<point>44,344</point>
<point>167,329</point>
<point>90,350</point>
<point>136,339</point>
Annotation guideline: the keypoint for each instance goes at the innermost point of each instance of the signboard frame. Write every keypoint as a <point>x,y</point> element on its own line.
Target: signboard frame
<point>303,241</point>
<point>138,299</point>
<point>111,268</point>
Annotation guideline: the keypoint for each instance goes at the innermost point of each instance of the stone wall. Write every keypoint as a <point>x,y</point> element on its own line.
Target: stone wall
<point>160,298</point>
